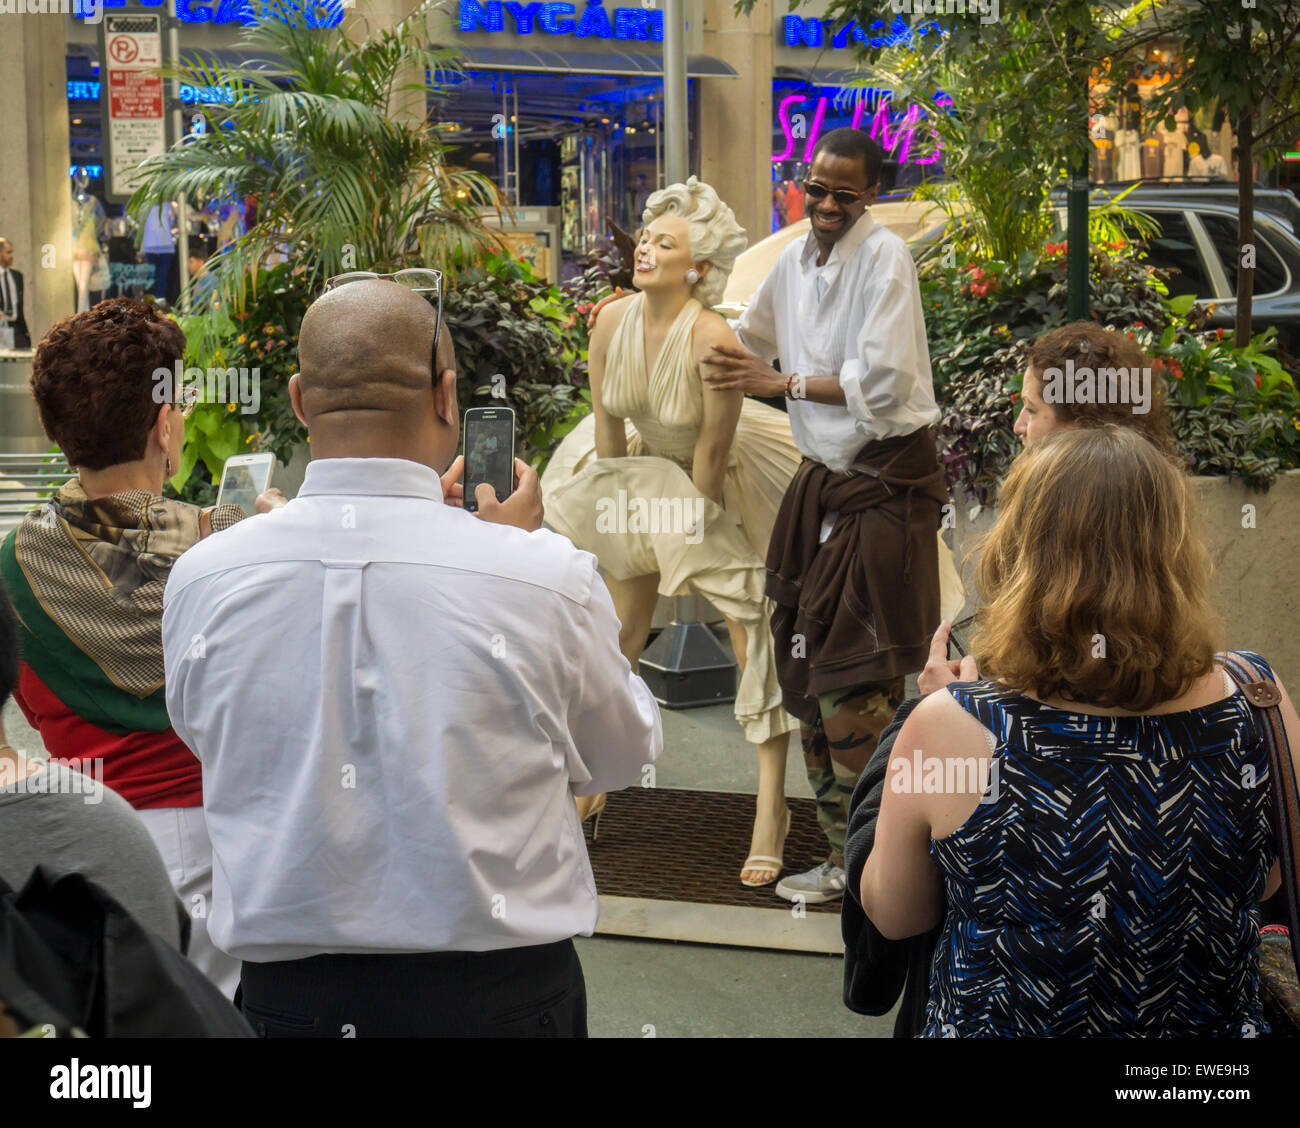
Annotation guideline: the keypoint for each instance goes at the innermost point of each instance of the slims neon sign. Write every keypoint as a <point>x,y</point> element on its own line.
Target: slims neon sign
<point>896,140</point>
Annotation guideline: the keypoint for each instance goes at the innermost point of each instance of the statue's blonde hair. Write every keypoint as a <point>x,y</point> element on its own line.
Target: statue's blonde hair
<point>716,237</point>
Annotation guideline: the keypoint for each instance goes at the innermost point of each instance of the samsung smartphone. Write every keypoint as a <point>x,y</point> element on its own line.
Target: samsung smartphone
<point>489,452</point>
<point>245,476</point>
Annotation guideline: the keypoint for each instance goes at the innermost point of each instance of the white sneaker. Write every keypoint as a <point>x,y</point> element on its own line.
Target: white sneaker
<point>823,883</point>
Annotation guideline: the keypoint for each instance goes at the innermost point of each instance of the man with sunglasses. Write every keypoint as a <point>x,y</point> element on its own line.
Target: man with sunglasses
<point>395,702</point>
<point>853,561</point>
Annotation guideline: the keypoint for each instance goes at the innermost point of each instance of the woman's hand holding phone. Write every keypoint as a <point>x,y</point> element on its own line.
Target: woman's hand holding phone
<point>940,670</point>
<point>269,499</point>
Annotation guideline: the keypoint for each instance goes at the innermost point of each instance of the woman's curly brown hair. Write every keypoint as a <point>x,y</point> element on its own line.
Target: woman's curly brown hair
<point>94,380</point>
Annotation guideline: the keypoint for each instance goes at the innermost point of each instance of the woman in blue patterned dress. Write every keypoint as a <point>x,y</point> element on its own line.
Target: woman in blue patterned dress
<point>1094,813</point>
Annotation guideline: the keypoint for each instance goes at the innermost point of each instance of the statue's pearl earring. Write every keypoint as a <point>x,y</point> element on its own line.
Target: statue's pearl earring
<point>692,276</point>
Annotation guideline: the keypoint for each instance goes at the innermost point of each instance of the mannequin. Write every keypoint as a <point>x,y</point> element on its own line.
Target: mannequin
<point>87,220</point>
<point>1174,143</point>
<point>1127,155</point>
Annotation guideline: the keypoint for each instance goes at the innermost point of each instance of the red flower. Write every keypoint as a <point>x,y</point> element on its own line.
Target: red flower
<point>1259,383</point>
<point>1015,396</point>
<point>1139,325</point>
<point>1218,334</point>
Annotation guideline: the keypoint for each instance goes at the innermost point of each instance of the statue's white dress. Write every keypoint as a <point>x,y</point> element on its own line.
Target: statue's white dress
<point>638,514</point>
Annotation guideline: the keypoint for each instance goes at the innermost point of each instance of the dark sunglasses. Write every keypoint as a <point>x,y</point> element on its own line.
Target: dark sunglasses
<point>845,197</point>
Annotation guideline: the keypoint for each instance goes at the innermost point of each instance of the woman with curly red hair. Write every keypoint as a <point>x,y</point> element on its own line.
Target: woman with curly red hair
<point>86,572</point>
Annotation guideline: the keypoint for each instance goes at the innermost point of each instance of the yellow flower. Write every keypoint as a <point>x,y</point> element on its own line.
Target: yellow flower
<point>241,339</point>
<point>231,406</point>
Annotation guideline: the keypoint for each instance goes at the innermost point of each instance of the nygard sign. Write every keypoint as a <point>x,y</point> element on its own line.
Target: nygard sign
<point>582,21</point>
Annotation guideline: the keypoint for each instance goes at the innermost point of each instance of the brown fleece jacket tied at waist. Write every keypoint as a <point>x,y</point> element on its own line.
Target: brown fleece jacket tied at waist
<point>862,607</point>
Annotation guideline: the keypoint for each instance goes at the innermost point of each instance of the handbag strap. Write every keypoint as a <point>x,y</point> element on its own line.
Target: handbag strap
<point>1262,693</point>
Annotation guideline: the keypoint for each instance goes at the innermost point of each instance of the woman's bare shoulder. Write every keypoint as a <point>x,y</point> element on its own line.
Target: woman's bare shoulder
<point>942,723</point>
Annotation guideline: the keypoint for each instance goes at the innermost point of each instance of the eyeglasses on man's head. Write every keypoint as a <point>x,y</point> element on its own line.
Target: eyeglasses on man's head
<point>420,280</point>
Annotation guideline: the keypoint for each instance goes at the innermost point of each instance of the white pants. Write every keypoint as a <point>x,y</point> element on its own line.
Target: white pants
<point>181,835</point>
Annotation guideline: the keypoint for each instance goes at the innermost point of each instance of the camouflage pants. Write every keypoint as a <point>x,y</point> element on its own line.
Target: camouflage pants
<point>838,748</point>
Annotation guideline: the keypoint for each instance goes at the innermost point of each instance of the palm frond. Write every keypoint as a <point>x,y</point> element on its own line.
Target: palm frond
<point>306,128</point>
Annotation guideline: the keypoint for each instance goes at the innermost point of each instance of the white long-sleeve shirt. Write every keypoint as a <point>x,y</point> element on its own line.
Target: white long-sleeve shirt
<point>858,317</point>
<point>394,703</point>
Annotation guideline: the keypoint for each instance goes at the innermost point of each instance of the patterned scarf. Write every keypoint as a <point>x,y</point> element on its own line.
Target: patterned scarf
<point>86,579</point>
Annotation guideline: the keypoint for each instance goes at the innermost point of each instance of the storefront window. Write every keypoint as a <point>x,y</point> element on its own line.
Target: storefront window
<point>1132,142</point>
<point>589,145</point>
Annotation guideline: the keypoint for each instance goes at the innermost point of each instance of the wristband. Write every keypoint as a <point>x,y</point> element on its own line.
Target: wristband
<point>788,381</point>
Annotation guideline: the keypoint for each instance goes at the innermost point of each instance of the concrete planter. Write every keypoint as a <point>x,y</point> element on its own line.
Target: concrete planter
<point>1255,589</point>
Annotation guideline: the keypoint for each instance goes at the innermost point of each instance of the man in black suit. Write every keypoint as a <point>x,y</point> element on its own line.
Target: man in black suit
<point>11,296</point>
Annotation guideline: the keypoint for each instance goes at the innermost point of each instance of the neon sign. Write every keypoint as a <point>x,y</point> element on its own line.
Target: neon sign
<point>645,25</point>
<point>326,13</point>
<point>894,132</point>
<point>84,90</point>
<point>811,32</point>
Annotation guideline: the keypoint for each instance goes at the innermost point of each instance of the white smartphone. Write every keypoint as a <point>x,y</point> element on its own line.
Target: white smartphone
<point>245,476</point>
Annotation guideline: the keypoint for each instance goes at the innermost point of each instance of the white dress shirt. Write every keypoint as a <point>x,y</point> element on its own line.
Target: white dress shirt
<point>395,703</point>
<point>8,294</point>
<point>859,317</point>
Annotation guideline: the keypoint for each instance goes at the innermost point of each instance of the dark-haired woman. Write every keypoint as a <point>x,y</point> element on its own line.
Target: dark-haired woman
<point>1096,810</point>
<point>86,573</point>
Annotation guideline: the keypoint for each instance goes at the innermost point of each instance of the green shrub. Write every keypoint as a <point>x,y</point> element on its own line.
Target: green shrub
<point>1234,412</point>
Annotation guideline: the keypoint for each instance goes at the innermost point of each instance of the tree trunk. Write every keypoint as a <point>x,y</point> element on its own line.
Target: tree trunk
<point>1245,224</point>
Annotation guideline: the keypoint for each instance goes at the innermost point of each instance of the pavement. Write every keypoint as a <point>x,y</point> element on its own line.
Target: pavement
<point>666,989</point>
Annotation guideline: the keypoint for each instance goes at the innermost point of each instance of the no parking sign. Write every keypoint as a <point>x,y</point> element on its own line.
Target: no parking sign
<point>134,108</point>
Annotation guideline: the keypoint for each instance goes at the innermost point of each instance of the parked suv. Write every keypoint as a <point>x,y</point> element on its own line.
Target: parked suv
<point>1278,202</point>
<point>1198,241</point>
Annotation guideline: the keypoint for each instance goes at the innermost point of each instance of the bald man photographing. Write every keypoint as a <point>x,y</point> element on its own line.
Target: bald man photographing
<point>395,702</point>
